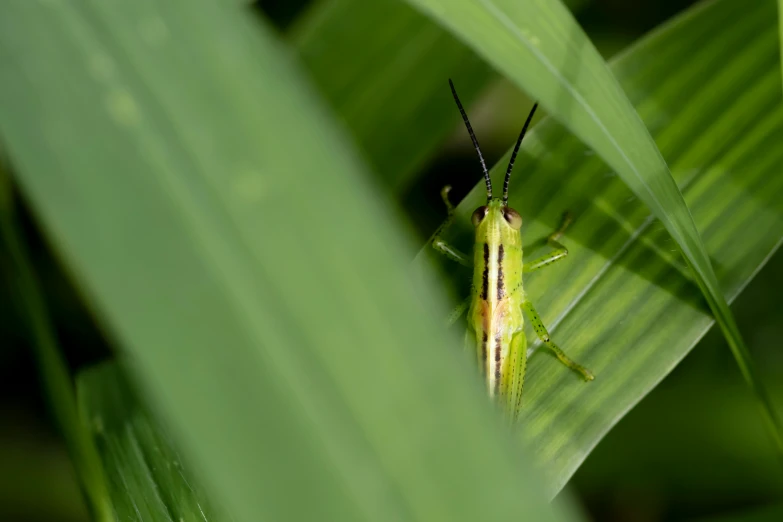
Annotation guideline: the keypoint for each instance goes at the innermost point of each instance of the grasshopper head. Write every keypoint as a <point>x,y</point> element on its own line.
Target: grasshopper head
<point>496,214</point>
<point>497,222</point>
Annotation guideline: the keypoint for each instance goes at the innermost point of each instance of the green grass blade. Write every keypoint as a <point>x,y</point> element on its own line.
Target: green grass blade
<point>709,441</point>
<point>146,474</point>
<point>55,378</point>
<point>539,45</point>
<point>382,66</point>
<point>228,240</point>
<point>623,303</point>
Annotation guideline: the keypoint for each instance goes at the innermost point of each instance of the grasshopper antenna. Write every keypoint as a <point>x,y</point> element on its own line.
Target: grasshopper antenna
<point>514,154</point>
<point>475,141</point>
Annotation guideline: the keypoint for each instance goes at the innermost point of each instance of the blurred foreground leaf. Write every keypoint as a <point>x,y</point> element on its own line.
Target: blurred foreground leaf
<point>227,238</point>
<point>707,85</point>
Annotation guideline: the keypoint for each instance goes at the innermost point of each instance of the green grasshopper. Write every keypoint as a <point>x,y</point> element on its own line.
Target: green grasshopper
<point>497,297</point>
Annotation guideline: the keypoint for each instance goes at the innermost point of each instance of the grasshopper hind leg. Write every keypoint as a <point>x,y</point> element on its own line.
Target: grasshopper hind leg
<point>542,333</point>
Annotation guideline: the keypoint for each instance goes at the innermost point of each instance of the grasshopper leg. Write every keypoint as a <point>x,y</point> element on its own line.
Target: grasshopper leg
<point>542,333</point>
<point>458,311</point>
<point>438,243</point>
<point>559,252</point>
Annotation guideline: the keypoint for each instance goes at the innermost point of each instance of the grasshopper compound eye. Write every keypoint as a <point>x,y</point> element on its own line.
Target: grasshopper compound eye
<point>513,218</point>
<point>479,215</point>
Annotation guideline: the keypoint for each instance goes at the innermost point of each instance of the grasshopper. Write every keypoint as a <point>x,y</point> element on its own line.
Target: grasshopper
<point>497,298</point>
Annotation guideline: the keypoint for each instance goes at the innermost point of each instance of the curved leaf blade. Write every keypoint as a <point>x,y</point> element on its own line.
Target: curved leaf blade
<point>539,45</point>
<point>623,303</point>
